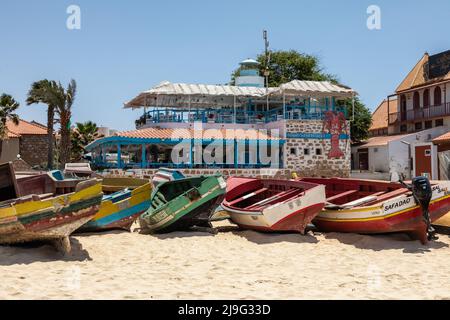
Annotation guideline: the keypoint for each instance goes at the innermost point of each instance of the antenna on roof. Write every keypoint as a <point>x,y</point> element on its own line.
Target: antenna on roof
<point>266,67</point>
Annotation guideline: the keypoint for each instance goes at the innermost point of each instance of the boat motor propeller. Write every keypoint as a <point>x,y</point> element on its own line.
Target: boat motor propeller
<point>422,193</point>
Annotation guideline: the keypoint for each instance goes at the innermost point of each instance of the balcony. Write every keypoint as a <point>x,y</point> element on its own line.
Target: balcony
<point>420,114</point>
<point>292,112</point>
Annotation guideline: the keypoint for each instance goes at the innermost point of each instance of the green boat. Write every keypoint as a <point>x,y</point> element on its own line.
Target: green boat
<point>183,204</point>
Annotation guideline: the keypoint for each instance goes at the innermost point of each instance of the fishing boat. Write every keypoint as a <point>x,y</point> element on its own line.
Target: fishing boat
<point>166,174</point>
<point>79,170</point>
<point>45,206</point>
<point>124,200</point>
<point>183,204</point>
<point>370,207</point>
<point>273,205</point>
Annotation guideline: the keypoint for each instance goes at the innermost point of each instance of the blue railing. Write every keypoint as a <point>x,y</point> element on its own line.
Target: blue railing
<point>249,72</point>
<point>150,165</point>
<point>291,112</point>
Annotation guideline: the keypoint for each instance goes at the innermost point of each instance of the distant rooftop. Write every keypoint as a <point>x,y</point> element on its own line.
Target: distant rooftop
<point>25,128</point>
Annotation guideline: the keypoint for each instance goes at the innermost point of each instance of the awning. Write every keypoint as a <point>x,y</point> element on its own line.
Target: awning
<point>314,89</point>
<point>184,95</point>
<point>173,94</point>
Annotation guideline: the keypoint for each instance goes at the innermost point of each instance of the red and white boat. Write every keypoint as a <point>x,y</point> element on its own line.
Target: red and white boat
<point>369,207</point>
<point>273,205</point>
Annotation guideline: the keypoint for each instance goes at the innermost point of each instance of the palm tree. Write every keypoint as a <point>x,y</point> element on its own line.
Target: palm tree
<point>64,110</point>
<point>84,134</point>
<point>8,106</point>
<point>59,101</point>
<point>45,91</point>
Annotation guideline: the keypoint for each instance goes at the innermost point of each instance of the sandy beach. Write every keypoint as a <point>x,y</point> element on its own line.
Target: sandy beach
<point>229,265</point>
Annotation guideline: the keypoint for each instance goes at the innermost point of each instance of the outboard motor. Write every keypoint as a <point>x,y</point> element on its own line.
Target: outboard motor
<point>422,193</point>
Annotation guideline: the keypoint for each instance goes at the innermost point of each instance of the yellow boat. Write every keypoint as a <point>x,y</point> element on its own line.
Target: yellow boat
<point>45,206</point>
<point>124,201</point>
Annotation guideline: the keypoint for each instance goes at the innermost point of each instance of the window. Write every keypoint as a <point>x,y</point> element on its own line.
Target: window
<point>306,152</point>
<point>428,153</point>
<point>418,125</point>
<point>416,100</point>
<point>403,108</point>
<point>375,150</point>
<point>428,124</point>
<point>293,151</point>
<point>437,96</point>
<point>426,98</point>
<point>439,123</point>
<point>318,152</point>
<point>403,128</point>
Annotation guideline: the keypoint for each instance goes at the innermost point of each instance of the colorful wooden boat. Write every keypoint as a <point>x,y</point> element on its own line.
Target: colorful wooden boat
<point>273,205</point>
<point>369,207</point>
<point>124,200</point>
<point>183,204</point>
<point>44,206</point>
<point>165,174</point>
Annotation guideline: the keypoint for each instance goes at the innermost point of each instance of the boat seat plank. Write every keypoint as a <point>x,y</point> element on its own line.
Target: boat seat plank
<point>390,195</point>
<point>360,202</point>
<point>248,196</point>
<point>341,195</point>
<point>277,197</point>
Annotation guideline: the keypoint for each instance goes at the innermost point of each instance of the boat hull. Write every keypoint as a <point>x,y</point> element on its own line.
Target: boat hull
<point>183,213</point>
<point>120,210</point>
<point>292,215</point>
<point>400,214</point>
<point>52,219</point>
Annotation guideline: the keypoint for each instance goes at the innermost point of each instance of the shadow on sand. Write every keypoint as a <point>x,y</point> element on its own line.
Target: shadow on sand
<point>271,238</point>
<point>28,253</point>
<point>398,241</point>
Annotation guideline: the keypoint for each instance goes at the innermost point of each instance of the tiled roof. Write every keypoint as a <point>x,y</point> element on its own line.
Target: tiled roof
<point>380,115</point>
<point>381,141</point>
<point>416,76</point>
<point>25,128</point>
<point>158,133</point>
<point>442,139</point>
<point>12,135</point>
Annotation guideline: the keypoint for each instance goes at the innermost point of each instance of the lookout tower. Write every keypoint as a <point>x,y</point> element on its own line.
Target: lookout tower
<point>249,74</point>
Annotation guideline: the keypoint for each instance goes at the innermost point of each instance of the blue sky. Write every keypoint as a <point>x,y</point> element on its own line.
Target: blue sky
<point>125,47</point>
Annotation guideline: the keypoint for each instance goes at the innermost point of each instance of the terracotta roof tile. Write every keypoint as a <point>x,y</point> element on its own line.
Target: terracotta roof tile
<point>442,139</point>
<point>25,128</point>
<point>416,77</point>
<point>380,115</point>
<point>159,133</point>
<point>381,141</point>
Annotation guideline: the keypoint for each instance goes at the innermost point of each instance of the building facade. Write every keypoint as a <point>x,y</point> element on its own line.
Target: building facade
<point>301,126</point>
<point>405,125</point>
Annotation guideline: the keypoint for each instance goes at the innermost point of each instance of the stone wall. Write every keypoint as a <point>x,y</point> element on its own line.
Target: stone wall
<point>34,149</point>
<point>316,163</point>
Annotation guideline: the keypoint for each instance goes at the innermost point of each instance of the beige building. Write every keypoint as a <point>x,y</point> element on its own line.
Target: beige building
<point>29,140</point>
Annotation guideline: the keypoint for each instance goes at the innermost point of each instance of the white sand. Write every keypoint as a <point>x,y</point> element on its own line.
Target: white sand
<point>230,265</point>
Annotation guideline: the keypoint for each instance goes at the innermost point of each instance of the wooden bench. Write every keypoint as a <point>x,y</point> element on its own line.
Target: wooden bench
<point>279,197</point>
<point>389,195</point>
<point>341,195</point>
<point>248,196</point>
